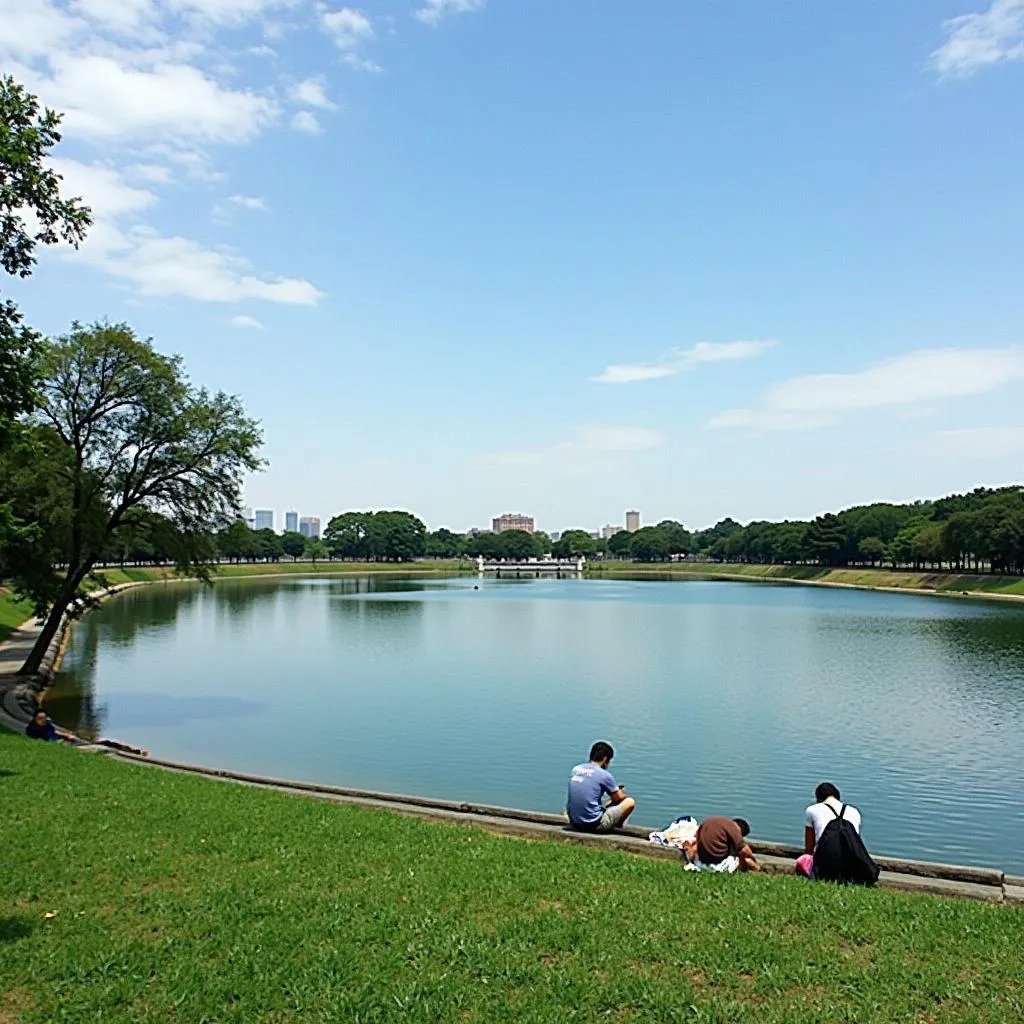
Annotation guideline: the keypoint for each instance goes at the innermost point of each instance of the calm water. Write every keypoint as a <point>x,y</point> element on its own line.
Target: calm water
<point>719,697</point>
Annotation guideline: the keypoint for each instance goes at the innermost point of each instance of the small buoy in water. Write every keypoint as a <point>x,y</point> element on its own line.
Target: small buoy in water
<point>475,586</point>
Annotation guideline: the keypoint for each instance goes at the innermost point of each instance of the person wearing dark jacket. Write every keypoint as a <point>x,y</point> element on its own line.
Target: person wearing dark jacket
<point>42,728</point>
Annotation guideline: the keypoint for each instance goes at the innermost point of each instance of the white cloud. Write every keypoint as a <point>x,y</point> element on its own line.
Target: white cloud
<point>161,265</point>
<point>981,38</point>
<point>104,99</point>
<point>102,187</point>
<point>348,27</point>
<point>926,375</point>
<point>433,11</point>
<point>589,448</point>
<point>982,442</point>
<point>246,321</point>
<point>304,121</point>
<point>249,202</point>
<point>32,29</point>
<point>680,360</point>
<point>120,16</point>
<point>312,93</point>
<point>155,174</point>
<point>147,82</point>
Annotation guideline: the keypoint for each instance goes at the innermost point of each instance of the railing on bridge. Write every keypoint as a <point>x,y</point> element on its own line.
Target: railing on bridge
<point>533,566</point>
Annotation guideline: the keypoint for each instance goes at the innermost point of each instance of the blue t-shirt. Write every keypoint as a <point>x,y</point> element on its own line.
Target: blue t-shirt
<point>587,784</point>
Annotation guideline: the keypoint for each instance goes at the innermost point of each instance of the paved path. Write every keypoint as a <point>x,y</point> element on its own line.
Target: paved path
<point>17,697</point>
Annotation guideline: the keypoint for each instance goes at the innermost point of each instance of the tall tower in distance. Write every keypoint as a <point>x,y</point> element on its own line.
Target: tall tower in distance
<point>264,519</point>
<point>632,521</point>
<point>291,522</point>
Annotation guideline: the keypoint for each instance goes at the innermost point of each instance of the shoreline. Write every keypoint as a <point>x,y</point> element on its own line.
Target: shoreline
<point>611,569</point>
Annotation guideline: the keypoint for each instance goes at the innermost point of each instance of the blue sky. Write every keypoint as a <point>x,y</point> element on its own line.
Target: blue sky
<point>696,257</point>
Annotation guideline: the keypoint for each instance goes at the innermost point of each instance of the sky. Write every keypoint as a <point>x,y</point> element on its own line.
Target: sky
<point>694,257</point>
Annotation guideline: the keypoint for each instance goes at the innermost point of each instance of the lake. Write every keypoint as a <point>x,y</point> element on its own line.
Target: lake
<point>733,698</point>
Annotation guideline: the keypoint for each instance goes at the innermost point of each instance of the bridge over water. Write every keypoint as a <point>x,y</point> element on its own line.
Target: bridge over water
<point>532,567</point>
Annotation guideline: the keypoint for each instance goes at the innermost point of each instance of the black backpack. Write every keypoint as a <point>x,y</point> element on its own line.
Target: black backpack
<point>841,856</point>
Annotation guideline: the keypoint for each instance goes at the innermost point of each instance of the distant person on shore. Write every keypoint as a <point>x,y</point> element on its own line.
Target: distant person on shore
<point>721,845</point>
<point>42,728</point>
<point>833,849</point>
<point>588,784</point>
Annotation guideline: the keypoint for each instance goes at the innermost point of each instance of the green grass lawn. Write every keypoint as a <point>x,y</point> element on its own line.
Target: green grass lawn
<point>131,894</point>
<point>12,613</point>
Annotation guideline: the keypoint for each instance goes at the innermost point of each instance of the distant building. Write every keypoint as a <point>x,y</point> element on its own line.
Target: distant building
<point>512,521</point>
<point>309,526</point>
<point>264,519</point>
<point>632,522</point>
<point>247,517</point>
<point>291,522</point>
<point>555,535</point>
<point>610,531</point>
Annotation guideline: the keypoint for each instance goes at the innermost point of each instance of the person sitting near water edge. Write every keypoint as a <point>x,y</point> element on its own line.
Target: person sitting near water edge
<point>842,858</point>
<point>42,728</point>
<point>720,845</point>
<point>588,783</point>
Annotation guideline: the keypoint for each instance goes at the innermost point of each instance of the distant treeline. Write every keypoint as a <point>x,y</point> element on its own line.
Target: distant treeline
<point>980,531</point>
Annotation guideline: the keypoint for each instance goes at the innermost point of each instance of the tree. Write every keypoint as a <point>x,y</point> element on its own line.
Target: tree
<point>649,544</point>
<point>346,535</point>
<point>618,544</point>
<point>573,544</point>
<point>872,549</point>
<point>516,545</point>
<point>32,213</point>
<point>316,550</point>
<point>443,543</point>
<point>237,541</point>
<point>676,536</point>
<point>135,433</point>
<point>396,536</point>
<point>293,544</point>
<point>268,545</point>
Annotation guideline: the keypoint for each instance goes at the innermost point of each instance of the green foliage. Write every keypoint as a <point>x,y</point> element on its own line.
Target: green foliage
<point>650,544</point>
<point>136,895</point>
<point>316,550</point>
<point>32,212</point>
<point>293,544</point>
<point>119,430</point>
<point>573,544</point>
<point>984,528</point>
<point>388,536</point>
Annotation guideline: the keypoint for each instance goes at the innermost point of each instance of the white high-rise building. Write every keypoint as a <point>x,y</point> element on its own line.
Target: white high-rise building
<point>291,522</point>
<point>609,531</point>
<point>309,526</point>
<point>264,519</point>
<point>632,521</point>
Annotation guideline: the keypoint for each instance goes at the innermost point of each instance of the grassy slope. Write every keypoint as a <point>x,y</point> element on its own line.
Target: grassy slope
<point>950,583</point>
<point>135,895</point>
<point>12,613</point>
<point>110,577</point>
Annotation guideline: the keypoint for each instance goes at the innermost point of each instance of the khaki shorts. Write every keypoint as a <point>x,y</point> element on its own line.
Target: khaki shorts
<point>613,815</point>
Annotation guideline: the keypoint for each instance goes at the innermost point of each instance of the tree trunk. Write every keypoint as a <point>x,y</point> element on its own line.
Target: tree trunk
<point>50,626</point>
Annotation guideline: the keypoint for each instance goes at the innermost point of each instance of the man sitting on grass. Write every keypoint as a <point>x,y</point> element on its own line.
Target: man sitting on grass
<point>588,783</point>
<point>721,846</point>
